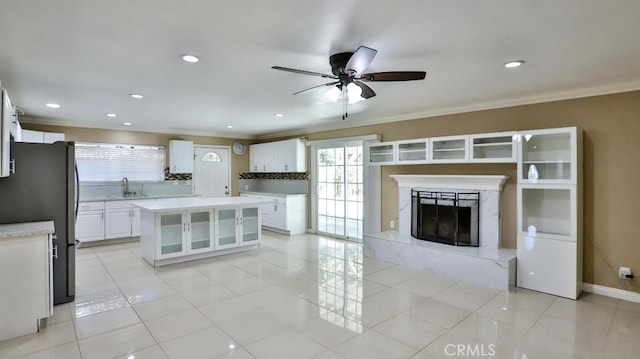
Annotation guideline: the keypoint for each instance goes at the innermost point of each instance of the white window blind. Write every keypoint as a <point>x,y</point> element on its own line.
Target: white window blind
<point>111,162</point>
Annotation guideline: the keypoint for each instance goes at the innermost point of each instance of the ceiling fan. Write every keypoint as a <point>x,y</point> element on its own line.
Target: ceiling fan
<point>347,68</point>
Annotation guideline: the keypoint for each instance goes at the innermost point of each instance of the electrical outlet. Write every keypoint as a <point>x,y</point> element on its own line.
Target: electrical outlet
<point>623,272</point>
<point>246,187</point>
<point>392,224</point>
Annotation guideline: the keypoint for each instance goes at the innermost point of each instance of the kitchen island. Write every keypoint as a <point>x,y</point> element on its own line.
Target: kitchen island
<point>177,230</point>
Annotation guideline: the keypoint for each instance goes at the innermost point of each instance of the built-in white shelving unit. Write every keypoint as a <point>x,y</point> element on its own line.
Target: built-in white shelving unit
<point>494,147</point>
<point>550,211</point>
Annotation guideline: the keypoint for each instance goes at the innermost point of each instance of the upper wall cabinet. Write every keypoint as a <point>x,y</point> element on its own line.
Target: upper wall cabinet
<point>412,151</point>
<point>41,137</point>
<point>180,156</point>
<point>450,149</point>
<point>280,156</point>
<point>382,153</point>
<point>493,147</point>
<point>292,156</point>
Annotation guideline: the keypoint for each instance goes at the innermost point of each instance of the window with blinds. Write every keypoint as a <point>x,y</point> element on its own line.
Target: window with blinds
<point>99,162</point>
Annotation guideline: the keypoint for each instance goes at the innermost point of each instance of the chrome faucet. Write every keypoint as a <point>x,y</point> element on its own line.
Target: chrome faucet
<point>125,184</point>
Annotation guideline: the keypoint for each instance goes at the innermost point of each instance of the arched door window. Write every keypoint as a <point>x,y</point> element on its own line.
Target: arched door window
<point>211,157</point>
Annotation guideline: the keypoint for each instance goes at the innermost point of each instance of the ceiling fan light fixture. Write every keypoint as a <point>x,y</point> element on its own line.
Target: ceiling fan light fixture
<point>333,93</point>
<point>514,64</point>
<point>354,93</point>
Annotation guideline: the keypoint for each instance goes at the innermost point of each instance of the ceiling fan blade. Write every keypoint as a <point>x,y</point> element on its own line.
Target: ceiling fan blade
<point>394,76</point>
<point>367,92</point>
<point>303,72</point>
<point>315,87</point>
<point>360,59</point>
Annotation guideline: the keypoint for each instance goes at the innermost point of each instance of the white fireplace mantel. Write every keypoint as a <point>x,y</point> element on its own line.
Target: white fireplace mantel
<point>460,182</point>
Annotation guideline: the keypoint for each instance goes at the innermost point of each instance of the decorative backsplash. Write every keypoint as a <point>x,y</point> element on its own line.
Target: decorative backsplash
<point>176,176</point>
<point>275,175</point>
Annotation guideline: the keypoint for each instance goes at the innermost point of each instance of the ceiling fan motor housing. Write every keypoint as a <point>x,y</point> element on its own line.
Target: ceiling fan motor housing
<point>339,62</point>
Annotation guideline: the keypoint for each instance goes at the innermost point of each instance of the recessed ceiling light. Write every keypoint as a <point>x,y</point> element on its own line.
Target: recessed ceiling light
<point>136,96</point>
<point>278,115</point>
<point>127,123</point>
<point>53,105</point>
<point>229,126</point>
<point>514,64</point>
<point>190,58</point>
<point>111,115</point>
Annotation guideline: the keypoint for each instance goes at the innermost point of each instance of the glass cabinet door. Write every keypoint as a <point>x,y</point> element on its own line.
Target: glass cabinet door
<point>227,224</point>
<point>200,229</point>
<point>547,156</point>
<point>171,230</point>
<point>250,224</point>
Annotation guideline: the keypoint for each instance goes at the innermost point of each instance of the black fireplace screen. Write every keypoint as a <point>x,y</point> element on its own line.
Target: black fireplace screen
<point>445,217</point>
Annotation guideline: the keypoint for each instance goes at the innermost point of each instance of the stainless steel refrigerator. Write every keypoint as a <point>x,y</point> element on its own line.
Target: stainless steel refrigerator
<point>43,188</point>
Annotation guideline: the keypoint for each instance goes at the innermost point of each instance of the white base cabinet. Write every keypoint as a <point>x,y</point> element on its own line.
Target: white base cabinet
<point>90,222</point>
<point>286,214</point>
<point>122,219</point>
<point>26,267</point>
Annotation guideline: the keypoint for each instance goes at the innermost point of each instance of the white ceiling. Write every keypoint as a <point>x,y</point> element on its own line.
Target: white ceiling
<point>88,55</point>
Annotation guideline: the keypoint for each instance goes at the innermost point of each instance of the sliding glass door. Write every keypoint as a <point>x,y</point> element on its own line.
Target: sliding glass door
<point>339,190</point>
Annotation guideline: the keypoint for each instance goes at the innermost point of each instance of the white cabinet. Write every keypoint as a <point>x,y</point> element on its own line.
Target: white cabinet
<point>90,222</point>
<point>550,211</point>
<point>6,117</point>
<point>493,147</point>
<point>548,156</point>
<point>280,156</point>
<point>41,137</point>
<point>122,219</point>
<point>450,149</point>
<point>292,156</point>
<point>256,158</point>
<point>183,233</point>
<point>180,156</point>
<point>237,227</point>
<point>382,153</point>
<point>412,151</point>
<point>26,268</point>
<point>286,214</point>
<point>51,137</point>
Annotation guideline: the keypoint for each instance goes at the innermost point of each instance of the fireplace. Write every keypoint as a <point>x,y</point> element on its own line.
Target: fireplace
<point>445,217</point>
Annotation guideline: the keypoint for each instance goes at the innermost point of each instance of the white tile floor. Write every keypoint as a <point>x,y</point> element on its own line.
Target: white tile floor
<point>313,297</point>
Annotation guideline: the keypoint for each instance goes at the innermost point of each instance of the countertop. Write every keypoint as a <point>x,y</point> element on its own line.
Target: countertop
<point>273,194</point>
<point>26,229</point>
<point>134,198</point>
<point>165,205</point>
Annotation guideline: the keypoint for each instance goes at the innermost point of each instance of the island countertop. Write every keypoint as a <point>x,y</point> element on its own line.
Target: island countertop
<point>172,204</point>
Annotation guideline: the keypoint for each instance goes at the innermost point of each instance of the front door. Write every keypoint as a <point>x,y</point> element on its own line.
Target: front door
<point>211,171</point>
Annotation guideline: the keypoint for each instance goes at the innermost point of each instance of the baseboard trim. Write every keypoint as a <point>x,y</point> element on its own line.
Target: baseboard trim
<point>611,292</point>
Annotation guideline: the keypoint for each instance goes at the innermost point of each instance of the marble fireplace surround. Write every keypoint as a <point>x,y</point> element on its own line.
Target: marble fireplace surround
<point>488,264</point>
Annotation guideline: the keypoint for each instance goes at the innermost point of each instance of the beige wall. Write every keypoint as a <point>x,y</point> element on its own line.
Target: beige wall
<point>611,126</point>
<point>238,163</point>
